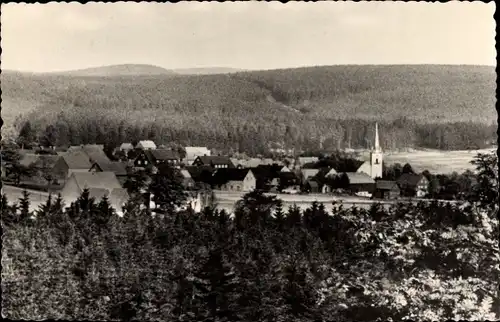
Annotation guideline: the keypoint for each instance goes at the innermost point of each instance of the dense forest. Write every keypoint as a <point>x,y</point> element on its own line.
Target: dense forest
<point>441,107</point>
<point>430,261</point>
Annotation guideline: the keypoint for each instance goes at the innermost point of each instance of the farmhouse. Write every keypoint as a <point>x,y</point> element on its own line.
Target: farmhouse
<point>234,179</point>
<point>146,145</point>
<point>73,161</point>
<point>308,174</point>
<point>118,168</point>
<point>157,157</point>
<point>201,175</point>
<point>99,184</point>
<point>216,162</point>
<point>413,185</point>
<point>360,182</point>
<point>385,189</point>
<point>288,180</point>
<point>45,167</point>
<point>311,186</point>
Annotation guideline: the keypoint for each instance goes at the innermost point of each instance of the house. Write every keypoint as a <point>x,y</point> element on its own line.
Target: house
<point>45,168</point>
<point>156,157</point>
<point>306,174</point>
<point>413,185</point>
<point>94,152</point>
<point>287,179</point>
<point>232,179</point>
<point>192,152</point>
<point>268,176</point>
<point>73,161</point>
<point>385,189</point>
<point>99,184</point>
<point>118,168</point>
<point>146,145</point>
<point>216,162</point>
<point>202,175</point>
<point>360,182</point>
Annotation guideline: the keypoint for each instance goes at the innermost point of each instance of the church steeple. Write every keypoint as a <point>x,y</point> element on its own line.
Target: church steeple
<point>377,143</point>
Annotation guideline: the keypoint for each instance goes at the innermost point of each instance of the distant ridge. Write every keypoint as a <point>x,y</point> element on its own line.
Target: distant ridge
<point>207,70</point>
<point>118,70</point>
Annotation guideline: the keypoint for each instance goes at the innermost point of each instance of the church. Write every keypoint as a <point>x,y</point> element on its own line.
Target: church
<point>373,167</point>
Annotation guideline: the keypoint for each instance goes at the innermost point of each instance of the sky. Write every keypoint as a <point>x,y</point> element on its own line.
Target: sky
<point>247,35</point>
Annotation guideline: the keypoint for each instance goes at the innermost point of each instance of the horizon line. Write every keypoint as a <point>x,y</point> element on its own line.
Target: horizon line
<point>241,69</point>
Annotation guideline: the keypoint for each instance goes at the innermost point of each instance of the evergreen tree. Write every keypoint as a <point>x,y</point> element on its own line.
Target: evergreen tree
<point>167,190</point>
<point>407,169</point>
<point>24,208</point>
<point>27,135</point>
<point>215,287</point>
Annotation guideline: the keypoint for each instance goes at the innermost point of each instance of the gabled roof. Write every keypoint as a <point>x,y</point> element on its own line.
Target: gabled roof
<point>118,168</point>
<point>76,159</point>
<point>208,160</point>
<point>146,144</point>
<point>98,193</point>
<point>104,180</point>
<point>312,183</point>
<point>163,154</point>
<point>221,176</point>
<point>410,179</point>
<point>359,178</point>
<point>306,173</point>
<point>386,185</point>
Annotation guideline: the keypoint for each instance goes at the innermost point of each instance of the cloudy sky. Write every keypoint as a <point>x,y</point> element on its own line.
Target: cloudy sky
<point>249,35</point>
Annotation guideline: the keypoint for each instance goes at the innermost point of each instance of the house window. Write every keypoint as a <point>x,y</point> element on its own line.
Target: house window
<point>139,162</point>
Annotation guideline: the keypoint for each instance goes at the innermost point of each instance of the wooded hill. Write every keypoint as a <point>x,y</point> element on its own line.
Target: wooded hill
<point>431,106</point>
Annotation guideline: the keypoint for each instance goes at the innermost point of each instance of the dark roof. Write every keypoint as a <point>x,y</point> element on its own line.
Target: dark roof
<point>222,176</point>
<point>201,173</point>
<point>163,154</point>
<point>312,183</point>
<point>359,178</point>
<point>386,185</point>
<point>410,179</point>
<point>76,160</point>
<point>287,176</point>
<point>208,160</point>
<point>118,168</point>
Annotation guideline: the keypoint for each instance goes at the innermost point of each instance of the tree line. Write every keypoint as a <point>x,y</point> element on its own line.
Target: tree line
<point>253,137</point>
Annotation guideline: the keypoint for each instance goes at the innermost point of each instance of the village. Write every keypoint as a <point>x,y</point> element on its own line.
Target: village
<point>69,171</point>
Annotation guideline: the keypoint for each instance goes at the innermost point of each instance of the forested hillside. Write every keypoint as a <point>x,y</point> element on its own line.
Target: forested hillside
<point>444,107</point>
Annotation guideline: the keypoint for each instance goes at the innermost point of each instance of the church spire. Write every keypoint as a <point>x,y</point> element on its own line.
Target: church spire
<point>377,144</point>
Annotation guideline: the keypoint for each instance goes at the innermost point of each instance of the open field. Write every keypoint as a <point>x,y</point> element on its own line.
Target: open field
<point>434,160</point>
